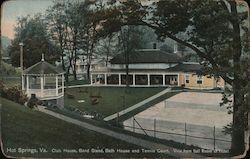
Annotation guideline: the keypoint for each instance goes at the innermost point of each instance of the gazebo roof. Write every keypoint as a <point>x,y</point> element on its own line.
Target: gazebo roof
<point>43,67</point>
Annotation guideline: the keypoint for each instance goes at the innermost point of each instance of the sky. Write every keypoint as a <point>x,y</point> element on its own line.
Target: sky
<point>12,9</point>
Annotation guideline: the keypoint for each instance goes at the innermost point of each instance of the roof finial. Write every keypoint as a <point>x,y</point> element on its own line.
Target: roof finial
<point>42,57</point>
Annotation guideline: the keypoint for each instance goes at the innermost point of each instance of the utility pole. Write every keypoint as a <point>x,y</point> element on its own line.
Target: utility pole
<point>21,56</point>
<point>21,64</point>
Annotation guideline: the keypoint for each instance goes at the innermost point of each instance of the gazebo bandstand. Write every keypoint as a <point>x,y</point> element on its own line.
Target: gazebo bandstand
<point>45,81</point>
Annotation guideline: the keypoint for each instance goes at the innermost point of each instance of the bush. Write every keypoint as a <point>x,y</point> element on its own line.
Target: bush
<point>13,93</point>
<point>32,101</point>
<point>2,89</point>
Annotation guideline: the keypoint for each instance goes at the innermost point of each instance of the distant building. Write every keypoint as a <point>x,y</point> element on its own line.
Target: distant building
<point>153,67</point>
<point>97,62</point>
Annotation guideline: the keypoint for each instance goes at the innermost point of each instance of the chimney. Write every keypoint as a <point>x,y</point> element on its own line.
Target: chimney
<point>154,45</point>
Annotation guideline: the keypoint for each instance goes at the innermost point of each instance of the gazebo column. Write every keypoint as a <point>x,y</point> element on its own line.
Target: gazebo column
<point>44,80</point>
<point>42,84</point>
<point>148,79</point>
<point>105,78</point>
<point>62,84</point>
<point>133,79</point>
<point>27,84</point>
<point>120,79</point>
<point>56,85</point>
<point>91,79</point>
<point>23,82</point>
<point>163,80</point>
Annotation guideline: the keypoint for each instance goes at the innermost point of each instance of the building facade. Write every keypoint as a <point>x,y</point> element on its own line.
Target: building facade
<point>154,68</point>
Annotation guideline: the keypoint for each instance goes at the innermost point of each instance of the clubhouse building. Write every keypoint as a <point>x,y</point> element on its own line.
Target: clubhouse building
<point>154,68</point>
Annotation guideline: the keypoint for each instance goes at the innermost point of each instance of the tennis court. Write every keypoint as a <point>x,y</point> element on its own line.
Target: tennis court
<point>201,112</point>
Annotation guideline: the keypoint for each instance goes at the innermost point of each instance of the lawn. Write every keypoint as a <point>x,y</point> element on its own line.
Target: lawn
<point>109,99</point>
<point>29,129</point>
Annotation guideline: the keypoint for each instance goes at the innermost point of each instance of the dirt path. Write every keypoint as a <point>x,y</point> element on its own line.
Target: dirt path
<point>130,139</point>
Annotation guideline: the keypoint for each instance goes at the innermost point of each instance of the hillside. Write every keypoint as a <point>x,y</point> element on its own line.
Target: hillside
<point>25,128</point>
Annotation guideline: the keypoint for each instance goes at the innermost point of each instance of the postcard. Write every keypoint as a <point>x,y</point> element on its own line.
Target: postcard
<point>124,79</point>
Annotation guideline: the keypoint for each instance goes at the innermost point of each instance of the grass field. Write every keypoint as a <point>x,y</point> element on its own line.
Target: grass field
<point>30,129</point>
<point>110,99</point>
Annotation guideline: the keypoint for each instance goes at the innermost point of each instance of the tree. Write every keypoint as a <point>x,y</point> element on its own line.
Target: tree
<point>108,46</point>
<point>72,25</point>
<point>213,31</point>
<point>130,39</point>
<point>63,20</point>
<point>181,48</point>
<point>33,33</point>
<point>89,33</point>
<point>57,25</point>
<point>215,35</point>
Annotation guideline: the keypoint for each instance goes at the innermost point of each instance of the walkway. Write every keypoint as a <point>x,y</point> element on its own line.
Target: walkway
<point>111,117</point>
<point>77,86</point>
<point>127,138</point>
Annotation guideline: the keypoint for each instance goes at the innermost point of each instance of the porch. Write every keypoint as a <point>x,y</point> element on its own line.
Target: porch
<point>44,86</point>
<point>135,79</point>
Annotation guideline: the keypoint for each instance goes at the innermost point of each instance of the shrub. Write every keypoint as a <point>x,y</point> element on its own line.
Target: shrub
<point>32,101</point>
<point>13,93</point>
<point>2,89</point>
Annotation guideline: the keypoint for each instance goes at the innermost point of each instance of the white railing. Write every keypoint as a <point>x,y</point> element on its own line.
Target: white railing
<point>45,93</point>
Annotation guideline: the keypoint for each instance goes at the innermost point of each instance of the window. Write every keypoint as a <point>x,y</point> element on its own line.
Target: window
<point>187,78</point>
<point>199,79</point>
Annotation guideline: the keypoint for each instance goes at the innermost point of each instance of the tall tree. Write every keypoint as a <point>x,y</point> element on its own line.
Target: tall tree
<point>33,33</point>
<point>130,40</point>
<point>69,23</point>
<point>57,25</point>
<point>90,12</point>
<point>214,31</point>
<point>108,47</point>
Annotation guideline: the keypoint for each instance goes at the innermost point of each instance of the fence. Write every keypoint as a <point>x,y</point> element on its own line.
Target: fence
<point>212,106</point>
<point>202,136</point>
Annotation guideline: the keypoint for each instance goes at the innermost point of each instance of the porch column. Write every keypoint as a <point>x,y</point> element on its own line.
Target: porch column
<point>91,79</point>
<point>56,85</point>
<point>120,79</point>
<point>23,82</point>
<point>148,79</point>
<point>178,78</point>
<point>163,80</point>
<point>62,83</point>
<point>133,79</point>
<point>105,78</point>
<point>42,82</point>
